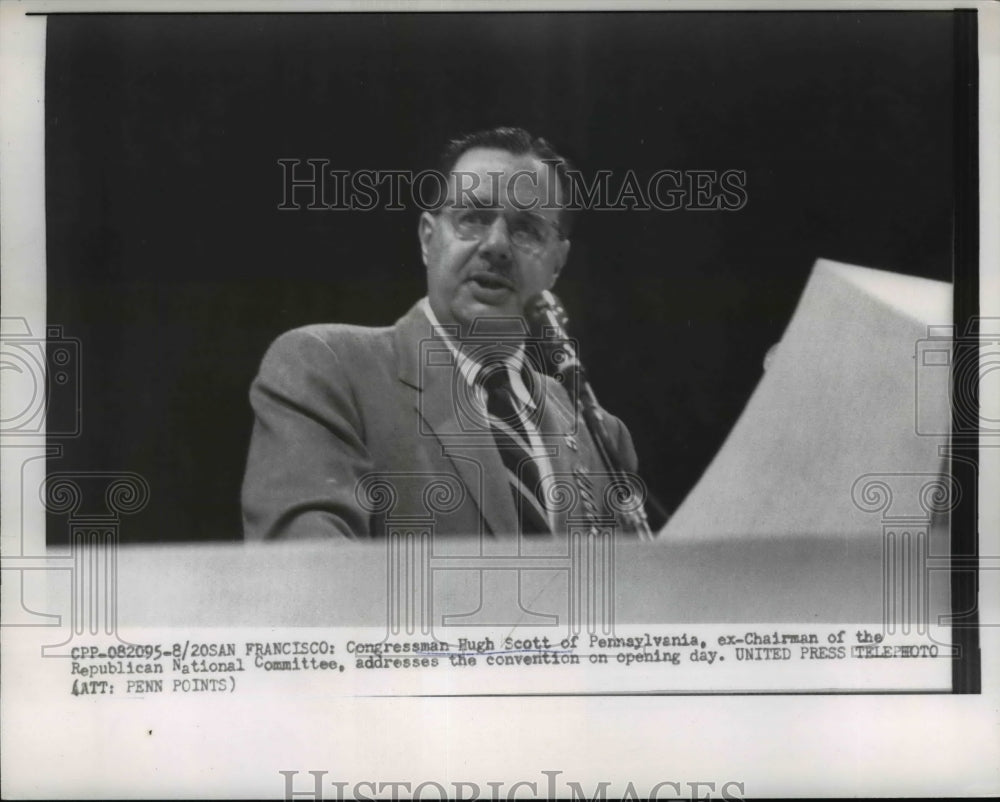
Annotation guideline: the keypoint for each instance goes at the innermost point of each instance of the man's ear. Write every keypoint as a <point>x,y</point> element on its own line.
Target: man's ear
<point>561,256</point>
<point>425,231</point>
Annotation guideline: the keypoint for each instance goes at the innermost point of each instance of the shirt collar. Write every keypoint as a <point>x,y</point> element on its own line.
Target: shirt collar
<point>470,368</point>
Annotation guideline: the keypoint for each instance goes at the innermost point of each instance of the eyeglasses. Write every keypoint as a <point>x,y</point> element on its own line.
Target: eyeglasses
<point>528,232</point>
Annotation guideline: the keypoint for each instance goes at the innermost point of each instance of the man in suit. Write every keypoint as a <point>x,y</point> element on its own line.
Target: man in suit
<point>446,415</point>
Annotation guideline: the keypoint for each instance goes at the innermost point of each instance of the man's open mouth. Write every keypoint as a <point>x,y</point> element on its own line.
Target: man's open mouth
<point>492,281</point>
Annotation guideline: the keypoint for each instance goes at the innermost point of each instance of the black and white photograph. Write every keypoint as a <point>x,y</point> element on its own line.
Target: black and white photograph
<point>449,400</point>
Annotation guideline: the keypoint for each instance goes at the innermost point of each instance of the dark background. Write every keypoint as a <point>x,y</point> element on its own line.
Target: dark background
<point>169,260</point>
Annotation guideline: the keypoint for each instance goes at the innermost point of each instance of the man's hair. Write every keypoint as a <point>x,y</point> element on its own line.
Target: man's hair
<point>518,142</point>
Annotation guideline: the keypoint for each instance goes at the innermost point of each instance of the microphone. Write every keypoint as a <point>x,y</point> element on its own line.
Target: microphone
<point>547,318</point>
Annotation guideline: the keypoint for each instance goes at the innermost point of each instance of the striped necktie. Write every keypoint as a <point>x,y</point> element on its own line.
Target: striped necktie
<point>506,417</point>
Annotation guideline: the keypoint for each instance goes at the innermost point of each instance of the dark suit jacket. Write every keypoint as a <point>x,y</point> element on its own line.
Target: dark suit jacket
<point>361,428</point>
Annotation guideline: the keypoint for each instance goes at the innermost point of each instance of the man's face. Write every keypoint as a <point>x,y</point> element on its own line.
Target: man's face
<point>494,244</point>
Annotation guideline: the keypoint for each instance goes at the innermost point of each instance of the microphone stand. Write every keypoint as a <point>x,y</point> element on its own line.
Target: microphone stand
<point>593,415</point>
<point>546,309</point>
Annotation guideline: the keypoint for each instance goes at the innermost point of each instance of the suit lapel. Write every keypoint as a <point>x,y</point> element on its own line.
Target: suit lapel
<point>426,363</point>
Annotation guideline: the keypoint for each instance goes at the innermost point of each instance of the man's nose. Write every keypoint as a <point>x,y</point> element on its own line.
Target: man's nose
<point>496,243</point>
